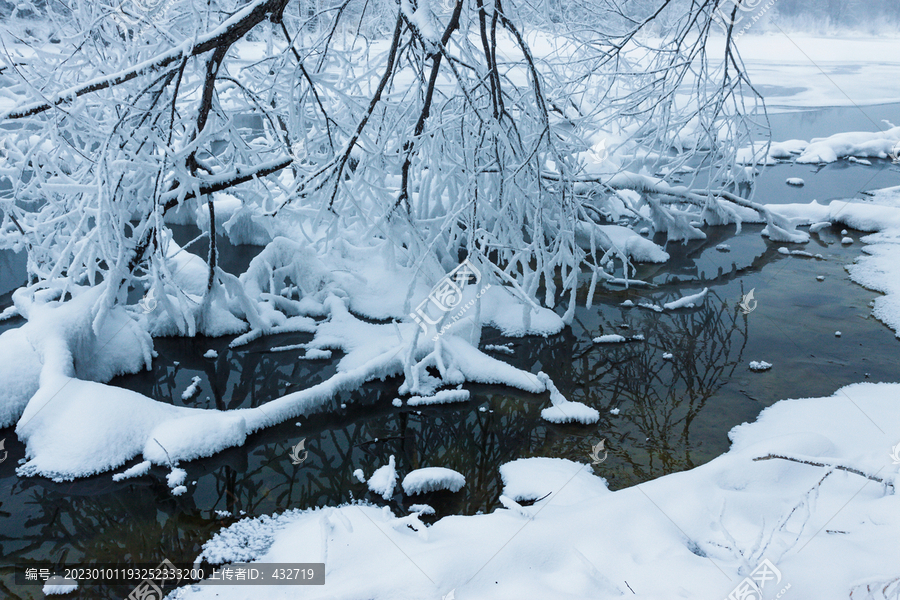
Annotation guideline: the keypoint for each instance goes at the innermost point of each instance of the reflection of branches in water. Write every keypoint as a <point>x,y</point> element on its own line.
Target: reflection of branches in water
<point>121,528</point>
<point>653,437</point>
<point>663,398</point>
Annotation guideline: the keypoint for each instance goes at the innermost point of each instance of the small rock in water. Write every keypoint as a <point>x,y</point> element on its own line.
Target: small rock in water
<point>211,354</point>
<point>837,334</point>
<point>397,402</point>
<point>820,278</point>
<point>667,356</point>
<point>847,240</point>
<point>628,304</point>
<point>723,248</point>
<point>795,181</point>
<point>343,405</point>
<point>614,411</point>
<point>760,365</point>
<point>843,232</point>
<point>783,250</point>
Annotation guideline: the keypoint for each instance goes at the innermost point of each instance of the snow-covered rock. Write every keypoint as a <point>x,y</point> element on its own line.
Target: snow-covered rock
<point>432,479</point>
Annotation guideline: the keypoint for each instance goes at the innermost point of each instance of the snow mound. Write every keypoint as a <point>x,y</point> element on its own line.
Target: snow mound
<point>610,339</point>
<point>384,479</point>
<point>866,144</point>
<point>432,479</point>
<point>528,479</point>
<point>760,365</point>
<point>795,181</point>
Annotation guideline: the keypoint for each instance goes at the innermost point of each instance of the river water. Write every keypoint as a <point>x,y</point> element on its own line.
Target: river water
<point>658,415</point>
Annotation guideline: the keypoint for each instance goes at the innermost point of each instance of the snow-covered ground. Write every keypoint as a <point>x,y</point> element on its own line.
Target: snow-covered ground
<point>795,71</point>
<point>810,487</point>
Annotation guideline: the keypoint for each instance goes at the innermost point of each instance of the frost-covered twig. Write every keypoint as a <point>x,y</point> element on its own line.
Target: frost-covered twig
<point>839,467</point>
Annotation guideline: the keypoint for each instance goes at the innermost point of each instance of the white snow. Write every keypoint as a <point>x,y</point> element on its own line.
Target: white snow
<point>422,509</point>
<point>176,477</point>
<point>441,397</point>
<point>384,479</point>
<point>58,585</point>
<point>192,390</point>
<point>795,181</point>
<point>692,534</point>
<point>316,354</point>
<point>563,410</point>
<point>505,349</point>
<point>360,476</point>
<point>621,240</point>
<point>723,248</point>
<point>397,402</point>
<point>760,365</point>
<point>847,240</point>
<point>611,338</point>
<point>687,301</point>
<point>178,490</point>
<point>142,468</point>
<point>211,354</point>
<point>431,479</point>
<point>668,356</point>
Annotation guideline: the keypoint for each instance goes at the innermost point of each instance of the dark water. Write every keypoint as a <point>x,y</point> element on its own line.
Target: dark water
<point>673,414</point>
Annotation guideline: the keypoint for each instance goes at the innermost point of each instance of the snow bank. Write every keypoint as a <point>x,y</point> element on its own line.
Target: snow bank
<point>620,240</point>
<point>864,144</point>
<point>89,428</point>
<point>828,530</point>
<point>853,144</point>
<point>432,479</point>
<point>62,335</point>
